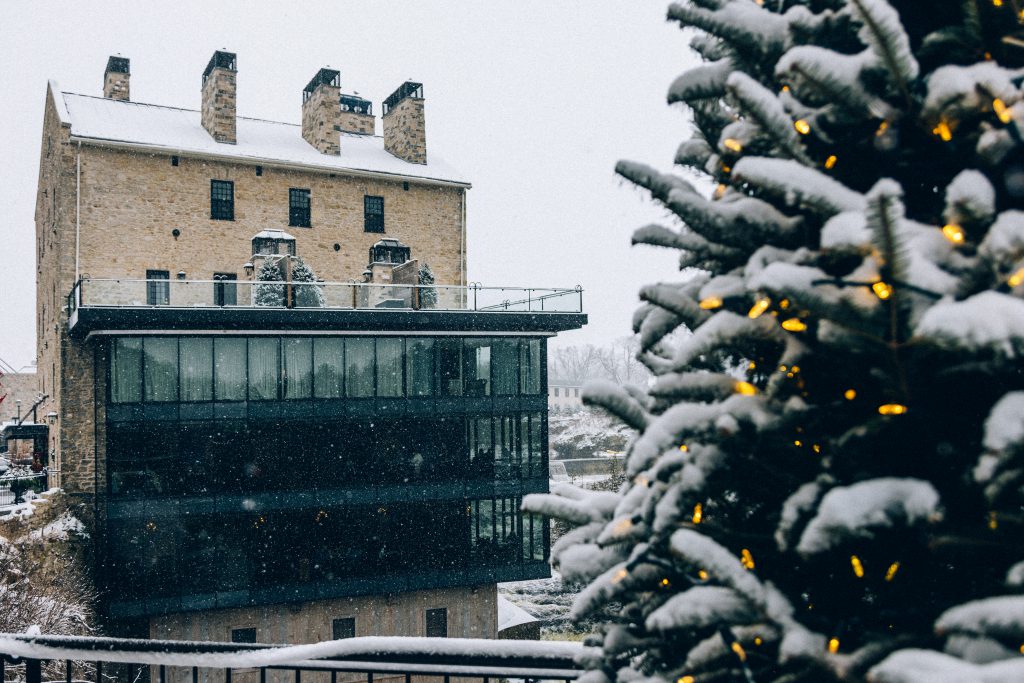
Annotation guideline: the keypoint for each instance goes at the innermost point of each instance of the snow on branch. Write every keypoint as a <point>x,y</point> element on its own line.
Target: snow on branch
<point>702,82</point>
<point>882,31</point>
<point>725,329</point>
<point>693,152</point>
<point>701,607</point>
<point>818,74</point>
<point>617,401</point>
<point>702,552</point>
<point>1004,242</point>
<point>929,666</point>
<point>798,184</point>
<point>572,504</point>
<point>970,199</point>
<point>765,108</point>
<point>986,320</point>
<point>958,91</point>
<point>744,25</point>
<point>1004,428</point>
<point>999,617</point>
<point>857,511</point>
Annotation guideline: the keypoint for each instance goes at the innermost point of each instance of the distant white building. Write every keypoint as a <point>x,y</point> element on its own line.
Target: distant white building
<point>564,396</point>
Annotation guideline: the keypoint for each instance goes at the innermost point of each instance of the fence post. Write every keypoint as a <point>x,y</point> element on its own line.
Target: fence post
<point>33,671</point>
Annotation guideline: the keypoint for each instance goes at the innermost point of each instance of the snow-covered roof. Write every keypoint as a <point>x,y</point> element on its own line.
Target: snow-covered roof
<point>180,131</point>
<point>273,234</point>
<point>511,614</point>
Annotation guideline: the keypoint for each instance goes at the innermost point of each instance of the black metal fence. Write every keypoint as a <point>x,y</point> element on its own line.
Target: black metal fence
<point>33,659</point>
<point>14,487</point>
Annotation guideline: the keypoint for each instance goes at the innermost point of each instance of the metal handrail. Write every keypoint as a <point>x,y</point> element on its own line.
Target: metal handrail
<point>463,657</point>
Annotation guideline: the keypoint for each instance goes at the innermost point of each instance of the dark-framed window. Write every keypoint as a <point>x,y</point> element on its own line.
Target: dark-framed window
<point>373,214</point>
<point>243,635</point>
<point>342,628</point>
<point>298,208</point>
<point>437,622</point>
<point>158,287</point>
<point>225,291</point>
<point>222,200</point>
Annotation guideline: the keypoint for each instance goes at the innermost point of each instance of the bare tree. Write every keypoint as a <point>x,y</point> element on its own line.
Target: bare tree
<point>618,362</point>
<point>575,364</point>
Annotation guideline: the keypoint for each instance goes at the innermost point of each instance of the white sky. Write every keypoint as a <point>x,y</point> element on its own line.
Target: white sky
<point>532,101</point>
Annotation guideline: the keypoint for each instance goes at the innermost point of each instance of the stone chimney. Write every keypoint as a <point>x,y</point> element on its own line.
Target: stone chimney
<point>219,92</point>
<point>321,111</point>
<point>115,79</point>
<point>356,115</point>
<point>405,133</point>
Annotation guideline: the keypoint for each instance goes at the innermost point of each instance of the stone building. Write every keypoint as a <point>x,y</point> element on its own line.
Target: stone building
<point>281,425</point>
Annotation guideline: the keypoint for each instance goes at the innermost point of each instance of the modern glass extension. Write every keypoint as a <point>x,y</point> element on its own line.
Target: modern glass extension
<point>259,468</point>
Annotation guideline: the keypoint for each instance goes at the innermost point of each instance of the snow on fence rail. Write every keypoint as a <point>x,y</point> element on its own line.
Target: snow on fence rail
<point>386,656</point>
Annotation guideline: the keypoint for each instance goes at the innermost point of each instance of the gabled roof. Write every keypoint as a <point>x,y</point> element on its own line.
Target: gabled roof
<point>179,131</point>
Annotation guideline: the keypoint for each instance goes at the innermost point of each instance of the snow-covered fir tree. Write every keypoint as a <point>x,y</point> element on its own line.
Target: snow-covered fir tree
<point>428,293</point>
<point>848,504</point>
<point>306,296</point>
<point>269,294</point>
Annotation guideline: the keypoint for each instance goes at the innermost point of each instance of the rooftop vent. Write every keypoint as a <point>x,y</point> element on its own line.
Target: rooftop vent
<point>389,251</point>
<point>356,115</point>
<point>356,105</point>
<point>321,112</point>
<point>118,65</point>
<point>407,89</point>
<point>219,96</point>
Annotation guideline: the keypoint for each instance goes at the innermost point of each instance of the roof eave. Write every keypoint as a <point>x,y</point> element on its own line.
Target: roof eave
<point>262,161</point>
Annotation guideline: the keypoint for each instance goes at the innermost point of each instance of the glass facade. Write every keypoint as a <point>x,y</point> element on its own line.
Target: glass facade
<point>264,368</point>
<point>252,469</point>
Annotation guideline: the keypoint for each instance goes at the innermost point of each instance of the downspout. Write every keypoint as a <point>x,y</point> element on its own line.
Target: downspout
<point>78,209</point>
<point>463,251</point>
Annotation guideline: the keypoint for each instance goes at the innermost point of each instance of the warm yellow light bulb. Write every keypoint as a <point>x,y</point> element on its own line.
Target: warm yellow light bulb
<point>802,126</point>
<point>830,162</point>
<point>702,575</point>
<point>784,304</point>
<point>757,640</point>
<point>1001,110</point>
<point>850,394</point>
<point>953,232</point>
<point>698,513</point>
<point>740,652</point>
<point>746,559</point>
<point>1017,278</point>
<point>883,290</point>
<point>744,388</point>
<point>943,130</point>
<point>798,443</point>
<point>710,303</point>
<point>993,521</point>
<point>882,127</point>
<point>759,307</point>
<point>619,576</point>
<point>794,325</point>
<point>997,3</point>
<point>732,144</point>
<point>890,573</point>
<point>684,447</point>
<point>720,190</point>
<point>833,645</point>
<point>751,365</point>
<point>664,582</point>
<point>858,568</point>
<point>686,679</point>
<point>892,409</point>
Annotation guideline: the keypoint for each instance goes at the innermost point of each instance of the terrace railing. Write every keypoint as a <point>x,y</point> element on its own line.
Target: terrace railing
<point>33,659</point>
<point>136,293</point>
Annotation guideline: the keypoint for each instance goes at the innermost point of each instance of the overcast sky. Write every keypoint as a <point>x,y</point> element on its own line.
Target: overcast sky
<point>533,102</point>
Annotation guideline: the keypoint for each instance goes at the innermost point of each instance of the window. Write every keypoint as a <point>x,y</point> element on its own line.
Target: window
<point>419,366</point>
<point>437,622</point>
<point>160,368</point>
<point>556,392</point>
<point>263,368</point>
<point>174,160</point>
<point>343,628</point>
<point>389,366</point>
<point>505,359</point>
<point>576,392</point>
<point>529,367</point>
<point>225,291</point>
<point>298,208</point>
<point>222,200</point>
<point>229,368</point>
<point>359,367</point>
<point>126,370</point>
<point>196,369</point>
<point>158,287</point>
<point>328,367</point>
<point>243,635</point>
<point>476,357</point>
<point>298,367</point>
<point>373,214</point>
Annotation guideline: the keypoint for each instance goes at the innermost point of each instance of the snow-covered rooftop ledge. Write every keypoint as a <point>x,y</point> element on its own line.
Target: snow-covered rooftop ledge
<point>458,656</point>
<point>120,293</point>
